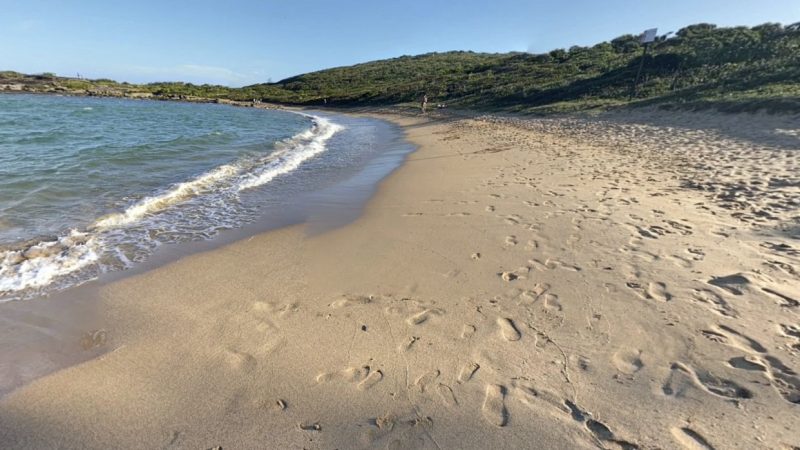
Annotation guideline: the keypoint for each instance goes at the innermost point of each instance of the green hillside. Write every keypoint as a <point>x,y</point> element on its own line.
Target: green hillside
<point>700,66</point>
<point>699,63</point>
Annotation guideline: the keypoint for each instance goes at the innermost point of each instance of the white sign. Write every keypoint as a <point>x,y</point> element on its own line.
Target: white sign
<point>648,36</point>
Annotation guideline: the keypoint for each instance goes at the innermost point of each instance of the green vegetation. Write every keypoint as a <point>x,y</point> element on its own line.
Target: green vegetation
<point>168,89</point>
<point>702,65</point>
<point>699,64</point>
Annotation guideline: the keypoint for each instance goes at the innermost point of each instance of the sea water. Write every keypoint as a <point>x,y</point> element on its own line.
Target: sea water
<point>89,185</point>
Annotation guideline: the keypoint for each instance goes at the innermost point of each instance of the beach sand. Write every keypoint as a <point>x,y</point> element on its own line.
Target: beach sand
<point>625,281</point>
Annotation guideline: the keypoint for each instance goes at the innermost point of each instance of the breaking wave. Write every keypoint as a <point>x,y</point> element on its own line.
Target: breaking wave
<point>114,241</point>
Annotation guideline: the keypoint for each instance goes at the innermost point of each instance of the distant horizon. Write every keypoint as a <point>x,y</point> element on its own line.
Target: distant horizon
<point>261,43</point>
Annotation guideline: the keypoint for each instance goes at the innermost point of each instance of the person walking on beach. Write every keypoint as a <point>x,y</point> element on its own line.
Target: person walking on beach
<point>424,104</point>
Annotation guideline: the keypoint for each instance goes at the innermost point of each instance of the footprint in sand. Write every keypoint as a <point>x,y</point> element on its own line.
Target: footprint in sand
<point>682,229</point>
<point>714,302</point>
<point>649,234</point>
<point>406,346</point>
<point>736,284</point>
<point>681,262</point>
<point>790,330</point>
<point>679,381</point>
<point>423,316</point>
<point>600,431</point>
<point>287,309</point>
<point>552,264</point>
<point>538,265</point>
<point>494,408</point>
<point>788,269</point>
<point>748,363</point>
<point>371,380</point>
<point>784,300</point>
<point>792,333</point>
<point>534,294</point>
<point>552,303</point>
<point>781,377</point>
<point>273,309</point>
<point>508,276</point>
<point>628,361</point>
<point>351,300</point>
<point>603,433</point>
<point>563,265</point>
<point>94,339</point>
<point>520,273</point>
<point>446,394</point>
<point>467,372</point>
<point>786,385</point>
<point>781,248</point>
<point>508,330</point>
<point>732,338</point>
<point>468,331</point>
<point>426,379</point>
<point>682,377</point>
<point>240,360</point>
<point>308,427</point>
<point>697,254</point>
<point>691,439</point>
<point>655,290</point>
<point>349,374</point>
<point>658,291</point>
<point>533,396</point>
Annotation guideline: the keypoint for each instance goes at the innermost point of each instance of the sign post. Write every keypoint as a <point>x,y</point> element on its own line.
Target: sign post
<point>645,38</point>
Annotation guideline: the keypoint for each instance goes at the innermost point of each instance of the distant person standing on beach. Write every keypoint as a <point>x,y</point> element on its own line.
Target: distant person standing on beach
<point>424,105</point>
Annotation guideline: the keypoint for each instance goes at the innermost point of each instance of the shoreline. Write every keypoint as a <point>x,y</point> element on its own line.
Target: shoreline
<point>364,171</point>
<point>48,331</point>
<point>509,285</point>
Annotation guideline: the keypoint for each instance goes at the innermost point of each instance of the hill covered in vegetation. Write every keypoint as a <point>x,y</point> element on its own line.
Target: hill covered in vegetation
<point>699,65</point>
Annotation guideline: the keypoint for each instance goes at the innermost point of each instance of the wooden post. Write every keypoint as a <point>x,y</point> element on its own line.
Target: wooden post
<point>634,91</point>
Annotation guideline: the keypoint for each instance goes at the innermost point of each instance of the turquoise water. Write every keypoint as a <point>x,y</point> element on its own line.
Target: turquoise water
<point>92,185</point>
<point>66,161</point>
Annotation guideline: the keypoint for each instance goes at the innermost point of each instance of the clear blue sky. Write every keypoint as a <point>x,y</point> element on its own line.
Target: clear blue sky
<point>236,43</point>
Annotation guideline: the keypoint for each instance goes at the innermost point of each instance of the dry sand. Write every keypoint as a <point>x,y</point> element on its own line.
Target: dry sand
<point>628,281</point>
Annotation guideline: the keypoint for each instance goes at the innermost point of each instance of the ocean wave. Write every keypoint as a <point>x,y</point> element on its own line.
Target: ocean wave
<point>177,194</point>
<point>287,157</point>
<point>291,154</point>
<point>40,264</point>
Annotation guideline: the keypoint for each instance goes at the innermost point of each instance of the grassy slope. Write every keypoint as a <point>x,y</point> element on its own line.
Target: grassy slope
<point>701,64</point>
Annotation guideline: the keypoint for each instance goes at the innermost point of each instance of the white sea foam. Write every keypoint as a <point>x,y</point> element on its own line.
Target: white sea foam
<point>177,194</point>
<point>39,264</point>
<point>292,154</point>
<point>42,263</point>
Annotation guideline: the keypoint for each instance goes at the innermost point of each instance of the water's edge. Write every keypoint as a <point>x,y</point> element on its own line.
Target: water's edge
<point>74,330</point>
<point>198,202</point>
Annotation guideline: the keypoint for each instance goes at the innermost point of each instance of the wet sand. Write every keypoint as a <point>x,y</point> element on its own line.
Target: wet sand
<point>626,281</point>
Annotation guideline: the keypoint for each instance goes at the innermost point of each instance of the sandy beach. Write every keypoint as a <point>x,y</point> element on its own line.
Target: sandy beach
<point>630,280</point>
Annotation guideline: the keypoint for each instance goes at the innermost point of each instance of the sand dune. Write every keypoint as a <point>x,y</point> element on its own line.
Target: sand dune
<point>623,281</point>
